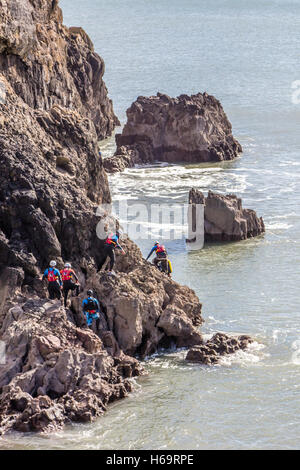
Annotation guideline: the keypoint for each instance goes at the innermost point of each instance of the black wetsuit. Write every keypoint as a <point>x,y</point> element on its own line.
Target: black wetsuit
<point>109,250</point>
<point>54,283</point>
<point>69,284</point>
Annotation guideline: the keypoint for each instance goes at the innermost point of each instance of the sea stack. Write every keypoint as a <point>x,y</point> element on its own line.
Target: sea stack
<point>225,219</point>
<point>190,129</point>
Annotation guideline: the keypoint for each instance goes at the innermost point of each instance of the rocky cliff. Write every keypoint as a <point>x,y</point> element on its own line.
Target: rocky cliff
<point>48,64</point>
<point>53,110</point>
<point>56,373</point>
<point>192,129</point>
<point>225,219</point>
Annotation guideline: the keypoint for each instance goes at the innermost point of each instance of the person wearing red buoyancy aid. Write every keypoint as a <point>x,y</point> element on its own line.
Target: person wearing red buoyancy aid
<point>68,277</point>
<point>111,243</point>
<point>54,281</point>
<point>161,253</point>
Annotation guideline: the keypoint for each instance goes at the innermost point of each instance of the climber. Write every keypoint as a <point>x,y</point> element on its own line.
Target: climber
<point>91,309</point>
<point>68,277</point>
<point>111,243</point>
<point>161,257</point>
<point>54,281</point>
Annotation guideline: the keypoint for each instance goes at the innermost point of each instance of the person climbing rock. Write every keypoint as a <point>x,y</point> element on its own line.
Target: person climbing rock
<point>54,281</point>
<point>91,309</point>
<point>70,281</point>
<point>161,257</point>
<point>111,243</point>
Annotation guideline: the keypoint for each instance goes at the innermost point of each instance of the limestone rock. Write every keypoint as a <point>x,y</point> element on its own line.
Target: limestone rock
<point>146,310</point>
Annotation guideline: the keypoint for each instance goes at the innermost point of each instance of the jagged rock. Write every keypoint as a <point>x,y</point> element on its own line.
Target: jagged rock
<point>51,182</point>
<point>54,372</point>
<point>184,129</point>
<point>219,345</point>
<point>225,219</point>
<point>145,311</point>
<point>53,109</point>
<point>48,64</point>
<point>45,212</point>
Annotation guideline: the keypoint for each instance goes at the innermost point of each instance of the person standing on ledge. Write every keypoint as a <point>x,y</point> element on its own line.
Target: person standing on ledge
<point>54,281</point>
<point>111,243</point>
<point>91,309</point>
<point>68,277</point>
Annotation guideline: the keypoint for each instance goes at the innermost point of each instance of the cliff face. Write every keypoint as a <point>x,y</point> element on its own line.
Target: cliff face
<point>191,129</point>
<point>48,64</point>
<point>53,109</point>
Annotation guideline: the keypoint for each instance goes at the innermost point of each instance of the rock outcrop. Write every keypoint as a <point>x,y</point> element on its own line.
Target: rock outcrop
<point>219,345</point>
<point>53,110</point>
<point>48,64</point>
<point>147,311</point>
<point>56,373</point>
<point>225,219</point>
<point>192,129</point>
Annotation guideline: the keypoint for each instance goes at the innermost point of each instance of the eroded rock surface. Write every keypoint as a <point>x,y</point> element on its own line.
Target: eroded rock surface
<point>55,372</point>
<point>191,129</point>
<point>225,219</point>
<point>48,64</point>
<point>147,311</point>
<point>53,109</point>
<point>219,345</point>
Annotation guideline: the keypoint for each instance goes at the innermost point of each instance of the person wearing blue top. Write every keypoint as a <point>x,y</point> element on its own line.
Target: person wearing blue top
<point>54,281</point>
<point>91,309</point>
<point>161,253</point>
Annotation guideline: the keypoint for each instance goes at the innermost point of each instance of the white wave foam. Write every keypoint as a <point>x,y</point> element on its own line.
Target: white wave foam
<point>278,226</point>
<point>251,355</point>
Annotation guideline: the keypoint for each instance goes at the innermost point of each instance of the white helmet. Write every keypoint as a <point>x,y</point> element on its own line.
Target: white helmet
<point>52,264</point>
<point>68,265</point>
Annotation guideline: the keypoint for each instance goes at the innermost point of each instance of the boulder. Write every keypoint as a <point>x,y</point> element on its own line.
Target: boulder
<point>225,219</point>
<point>219,345</point>
<point>193,129</point>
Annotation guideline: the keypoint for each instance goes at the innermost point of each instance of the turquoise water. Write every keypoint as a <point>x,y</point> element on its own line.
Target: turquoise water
<point>246,54</point>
